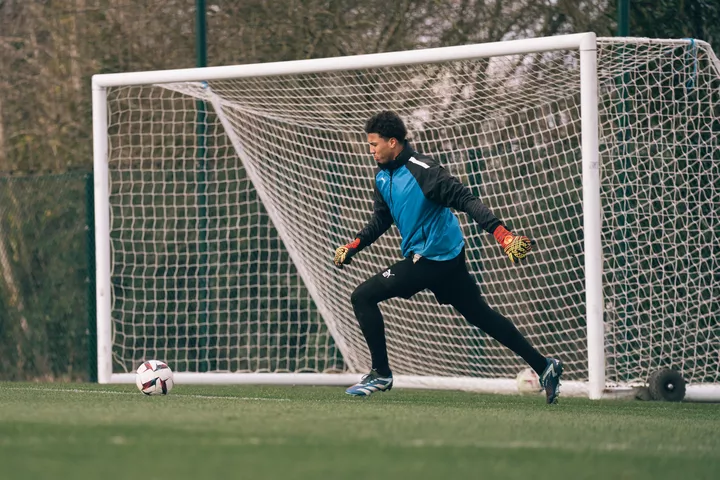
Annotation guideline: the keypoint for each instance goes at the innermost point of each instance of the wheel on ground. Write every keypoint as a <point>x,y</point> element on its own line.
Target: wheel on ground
<point>666,385</point>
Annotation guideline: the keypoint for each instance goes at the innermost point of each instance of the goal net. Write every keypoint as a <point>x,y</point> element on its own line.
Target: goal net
<point>228,190</point>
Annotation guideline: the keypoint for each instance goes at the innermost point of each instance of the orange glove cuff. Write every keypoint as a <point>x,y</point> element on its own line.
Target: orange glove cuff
<point>502,235</point>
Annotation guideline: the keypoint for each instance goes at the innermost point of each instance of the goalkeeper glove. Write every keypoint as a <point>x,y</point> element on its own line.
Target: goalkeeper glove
<point>344,254</point>
<point>516,246</point>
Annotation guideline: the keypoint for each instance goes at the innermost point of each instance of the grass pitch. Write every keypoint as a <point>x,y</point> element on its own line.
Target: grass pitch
<point>210,432</point>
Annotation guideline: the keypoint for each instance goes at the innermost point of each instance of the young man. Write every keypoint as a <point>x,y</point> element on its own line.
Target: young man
<point>416,193</point>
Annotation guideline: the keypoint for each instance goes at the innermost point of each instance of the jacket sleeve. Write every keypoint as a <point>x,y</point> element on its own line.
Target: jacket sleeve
<point>439,186</point>
<point>379,222</point>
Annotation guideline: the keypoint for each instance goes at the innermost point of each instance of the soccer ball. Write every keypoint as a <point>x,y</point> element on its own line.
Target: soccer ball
<point>154,378</point>
<point>528,382</point>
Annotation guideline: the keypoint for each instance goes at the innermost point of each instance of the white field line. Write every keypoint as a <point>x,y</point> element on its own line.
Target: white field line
<point>568,447</point>
<point>112,392</point>
<point>410,444</point>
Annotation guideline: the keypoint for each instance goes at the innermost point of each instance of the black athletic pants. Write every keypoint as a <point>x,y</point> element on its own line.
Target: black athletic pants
<point>452,284</point>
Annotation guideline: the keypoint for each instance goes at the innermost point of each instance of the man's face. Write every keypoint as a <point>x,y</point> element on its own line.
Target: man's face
<point>382,150</point>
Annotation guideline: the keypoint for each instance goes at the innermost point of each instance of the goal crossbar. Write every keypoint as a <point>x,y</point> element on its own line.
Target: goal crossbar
<point>578,41</point>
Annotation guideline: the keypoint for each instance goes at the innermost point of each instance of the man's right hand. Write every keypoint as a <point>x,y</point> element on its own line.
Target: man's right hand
<point>344,254</point>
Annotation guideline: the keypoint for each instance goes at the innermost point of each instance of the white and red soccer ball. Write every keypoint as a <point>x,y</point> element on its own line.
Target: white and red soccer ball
<point>528,382</point>
<point>154,378</point>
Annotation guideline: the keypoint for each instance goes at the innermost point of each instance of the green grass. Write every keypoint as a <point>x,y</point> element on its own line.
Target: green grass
<point>209,432</point>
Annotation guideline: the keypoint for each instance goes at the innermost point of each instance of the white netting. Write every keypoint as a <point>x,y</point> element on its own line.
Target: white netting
<point>201,277</point>
<point>660,148</point>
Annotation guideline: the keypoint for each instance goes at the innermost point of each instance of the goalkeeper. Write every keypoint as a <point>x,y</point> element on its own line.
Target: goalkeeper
<point>416,193</point>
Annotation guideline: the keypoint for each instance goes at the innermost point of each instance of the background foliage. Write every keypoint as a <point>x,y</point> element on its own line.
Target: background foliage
<point>49,49</point>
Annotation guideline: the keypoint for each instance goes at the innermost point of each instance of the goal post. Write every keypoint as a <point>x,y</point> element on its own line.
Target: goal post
<point>559,136</point>
<point>592,214</point>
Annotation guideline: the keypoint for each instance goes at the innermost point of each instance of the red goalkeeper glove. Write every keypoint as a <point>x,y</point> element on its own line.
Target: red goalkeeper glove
<point>516,246</point>
<point>344,254</point>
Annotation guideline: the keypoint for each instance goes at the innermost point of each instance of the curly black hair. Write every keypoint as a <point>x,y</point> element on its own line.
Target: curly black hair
<point>388,125</point>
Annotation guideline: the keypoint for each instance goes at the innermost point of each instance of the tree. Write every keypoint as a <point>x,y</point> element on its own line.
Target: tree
<point>699,19</point>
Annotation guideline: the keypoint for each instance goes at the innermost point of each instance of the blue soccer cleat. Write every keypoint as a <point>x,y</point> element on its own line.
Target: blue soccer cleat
<point>550,379</point>
<point>370,383</point>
